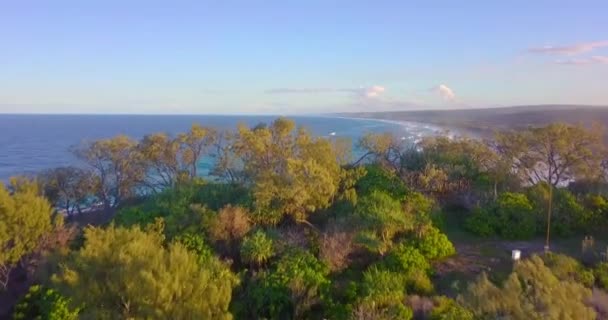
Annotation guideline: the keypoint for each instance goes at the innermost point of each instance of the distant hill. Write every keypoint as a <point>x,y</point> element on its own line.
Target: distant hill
<point>485,121</point>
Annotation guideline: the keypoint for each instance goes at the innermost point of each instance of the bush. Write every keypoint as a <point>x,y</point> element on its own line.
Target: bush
<point>481,222</point>
<point>515,216</point>
<point>448,309</point>
<point>434,244</point>
<point>297,282</point>
<point>418,281</point>
<point>568,268</point>
<point>601,274</point>
<point>404,258</point>
<point>382,294</point>
<point>44,304</point>
<point>380,179</point>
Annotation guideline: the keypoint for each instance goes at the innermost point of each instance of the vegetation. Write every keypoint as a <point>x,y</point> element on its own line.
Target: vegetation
<point>286,226</point>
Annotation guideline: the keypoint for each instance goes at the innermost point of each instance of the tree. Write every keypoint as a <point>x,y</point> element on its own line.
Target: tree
<point>161,157</point>
<point>382,217</point>
<point>297,282</point>
<point>382,292</point>
<point>289,171</point>
<point>196,143</point>
<point>257,248</point>
<point>25,217</point>
<point>128,273</point>
<point>118,166</point>
<point>554,154</point>
<point>68,187</point>
<point>42,303</point>
<point>229,226</point>
<point>532,291</point>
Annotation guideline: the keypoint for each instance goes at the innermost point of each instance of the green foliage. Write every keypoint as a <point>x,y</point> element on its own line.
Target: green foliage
<point>381,179</point>
<point>532,291</point>
<point>434,244</point>
<point>382,293</point>
<point>290,171</point>
<point>418,281</point>
<point>44,304</point>
<point>381,214</point>
<point>128,273</point>
<point>601,274</point>
<point>515,216</point>
<point>25,217</point>
<point>296,283</point>
<point>512,217</point>
<point>481,222</point>
<point>568,268</point>
<point>567,216</point>
<point>195,243</point>
<point>257,248</point>
<point>448,309</point>
<point>404,258</point>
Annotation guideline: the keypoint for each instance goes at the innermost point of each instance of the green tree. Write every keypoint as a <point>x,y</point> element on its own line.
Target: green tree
<point>297,282</point>
<point>382,217</point>
<point>554,154</point>
<point>515,216</point>
<point>42,303</point>
<point>128,273</point>
<point>289,171</point>
<point>257,248</point>
<point>25,217</point>
<point>382,293</point>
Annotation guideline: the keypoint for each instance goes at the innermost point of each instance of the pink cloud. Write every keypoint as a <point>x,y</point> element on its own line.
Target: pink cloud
<point>570,49</point>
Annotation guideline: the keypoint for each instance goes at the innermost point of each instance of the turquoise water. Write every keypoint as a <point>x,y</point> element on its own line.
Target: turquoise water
<point>31,143</point>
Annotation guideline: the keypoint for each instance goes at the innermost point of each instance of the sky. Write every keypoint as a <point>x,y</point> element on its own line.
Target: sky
<point>290,57</point>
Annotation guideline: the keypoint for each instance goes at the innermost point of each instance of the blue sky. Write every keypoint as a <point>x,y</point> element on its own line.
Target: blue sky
<point>299,56</point>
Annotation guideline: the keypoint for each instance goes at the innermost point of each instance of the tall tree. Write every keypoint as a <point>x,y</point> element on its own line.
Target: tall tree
<point>290,171</point>
<point>196,143</point>
<point>161,157</point>
<point>554,154</point>
<point>68,187</point>
<point>118,166</point>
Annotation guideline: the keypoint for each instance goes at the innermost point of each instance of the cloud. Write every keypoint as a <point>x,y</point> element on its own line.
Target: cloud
<point>363,92</point>
<point>445,92</point>
<point>570,49</point>
<point>373,91</point>
<point>584,61</point>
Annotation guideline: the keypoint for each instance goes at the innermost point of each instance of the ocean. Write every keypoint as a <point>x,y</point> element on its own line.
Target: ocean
<point>32,143</point>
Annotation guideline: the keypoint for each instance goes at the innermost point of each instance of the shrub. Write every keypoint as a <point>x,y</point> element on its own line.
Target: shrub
<point>382,294</point>
<point>568,268</point>
<point>434,244</point>
<point>44,304</point>
<point>448,309</point>
<point>404,258</point>
<point>516,219</point>
<point>481,222</point>
<point>601,274</point>
<point>418,281</point>
<point>335,248</point>
<point>380,179</point>
<point>297,282</point>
